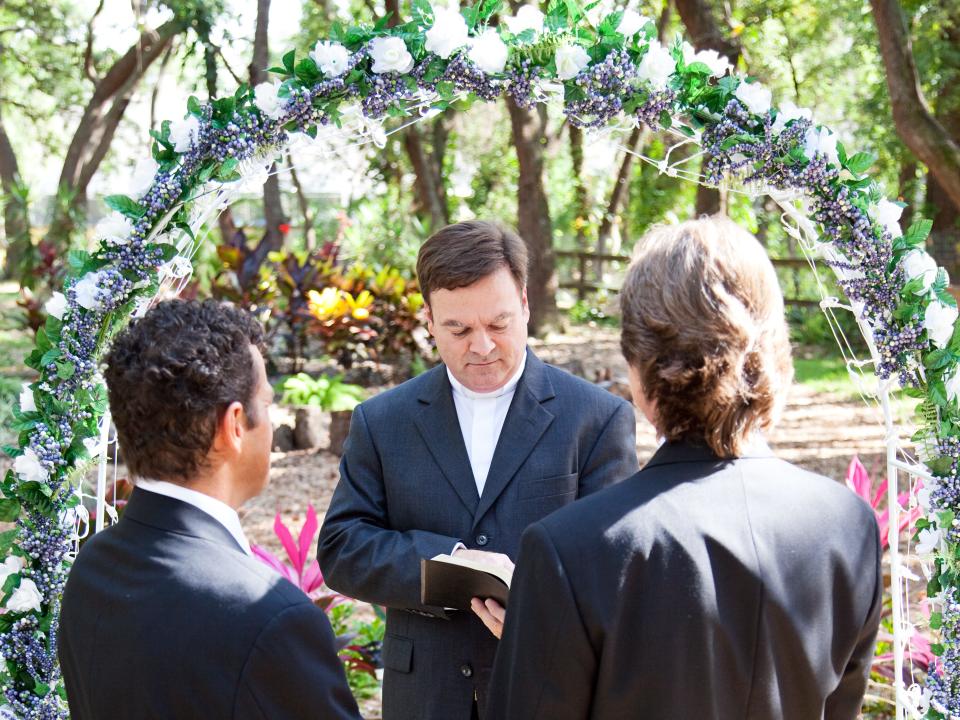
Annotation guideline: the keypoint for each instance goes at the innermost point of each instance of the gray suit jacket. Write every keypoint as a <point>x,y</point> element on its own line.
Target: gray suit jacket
<point>699,588</point>
<point>407,492</point>
<point>166,618</point>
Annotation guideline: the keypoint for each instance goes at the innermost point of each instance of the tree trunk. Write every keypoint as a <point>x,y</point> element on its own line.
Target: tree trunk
<point>16,217</point>
<point>431,194</point>
<point>581,200</point>
<point>99,122</point>
<point>928,139</point>
<point>533,214</point>
<point>907,187</point>
<point>706,34</point>
<point>309,231</point>
<point>273,213</point>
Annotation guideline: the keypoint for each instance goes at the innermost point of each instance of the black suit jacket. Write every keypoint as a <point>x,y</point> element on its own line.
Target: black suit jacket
<point>407,492</point>
<point>165,617</point>
<point>697,589</point>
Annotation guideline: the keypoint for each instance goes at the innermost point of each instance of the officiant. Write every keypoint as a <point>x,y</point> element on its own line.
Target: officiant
<point>461,460</point>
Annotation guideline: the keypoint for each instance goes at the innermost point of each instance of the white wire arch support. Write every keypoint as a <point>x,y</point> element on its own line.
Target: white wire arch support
<point>357,130</point>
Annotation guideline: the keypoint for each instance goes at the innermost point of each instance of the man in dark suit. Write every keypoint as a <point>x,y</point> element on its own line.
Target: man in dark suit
<point>166,614</point>
<point>718,583</point>
<point>463,457</point>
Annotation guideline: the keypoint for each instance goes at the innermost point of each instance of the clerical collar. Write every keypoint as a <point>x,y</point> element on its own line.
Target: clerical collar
<point>509,387</point>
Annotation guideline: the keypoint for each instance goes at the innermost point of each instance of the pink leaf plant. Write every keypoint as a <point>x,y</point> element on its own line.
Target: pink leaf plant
<point>858,480</point>
<point>305,576</point>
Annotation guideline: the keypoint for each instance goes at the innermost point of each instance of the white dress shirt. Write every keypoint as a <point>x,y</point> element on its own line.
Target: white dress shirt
<point>219,511</point>
<point>481,418</point>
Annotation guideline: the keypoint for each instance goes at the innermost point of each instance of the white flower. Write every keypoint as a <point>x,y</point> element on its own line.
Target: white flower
<point>928,540</point>
<point>143,175</point>
<point>268,101</point>
<point>571,59</point>
<point>938,320</point>
<point>448,32</point>
<point>56,305</point>
<point>29,467</point>
<point>757,98</point>
<point>489,52</point>
<point>11,566</point>
<point>390,54</point>
<point>918,264</point>
<point>888,214</point>
<point>115,228</point>
<point>27,402</point>
<point>25,598</point>
<point>331,57</point>
<point>923,494</point>
<point>527,18</point>
<point>787,112</point>
<point>631,23</point>
<point>184,133</point>
<point>718,64</point>
<point>86,291</point>
<point>821,141</point>
<point>657,65</point>
<point>93,446</point>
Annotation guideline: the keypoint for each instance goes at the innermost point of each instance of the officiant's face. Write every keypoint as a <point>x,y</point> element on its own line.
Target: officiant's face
<point>481,330</point>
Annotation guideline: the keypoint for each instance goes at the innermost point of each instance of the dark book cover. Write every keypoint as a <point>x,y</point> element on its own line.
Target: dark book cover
<point>451,583</point>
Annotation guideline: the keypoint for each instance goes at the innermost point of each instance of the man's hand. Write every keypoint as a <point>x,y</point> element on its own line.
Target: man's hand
<point>481,556</point>
<point>491,613</point>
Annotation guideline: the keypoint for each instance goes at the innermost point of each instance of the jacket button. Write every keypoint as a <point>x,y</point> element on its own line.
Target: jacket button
<point>466,670</point>
<point>482,540</point>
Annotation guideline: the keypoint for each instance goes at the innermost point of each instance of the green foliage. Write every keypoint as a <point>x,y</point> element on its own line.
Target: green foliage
<point>328,393</point>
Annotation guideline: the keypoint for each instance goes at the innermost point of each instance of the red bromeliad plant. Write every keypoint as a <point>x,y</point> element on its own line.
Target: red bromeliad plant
<point>858,480</point>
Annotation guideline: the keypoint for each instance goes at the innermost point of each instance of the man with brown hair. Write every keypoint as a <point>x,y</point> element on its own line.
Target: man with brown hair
<point>462,459</point>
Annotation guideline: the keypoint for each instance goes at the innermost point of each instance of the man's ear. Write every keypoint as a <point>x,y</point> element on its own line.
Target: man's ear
<point>526,305</point>
<point>429,313</point>
<point>230,429</point>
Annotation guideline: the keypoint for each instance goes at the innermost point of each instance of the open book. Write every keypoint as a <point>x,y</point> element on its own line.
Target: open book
<point>451,582</point>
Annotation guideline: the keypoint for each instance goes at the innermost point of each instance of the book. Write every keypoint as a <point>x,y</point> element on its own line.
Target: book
<point>451,582</point>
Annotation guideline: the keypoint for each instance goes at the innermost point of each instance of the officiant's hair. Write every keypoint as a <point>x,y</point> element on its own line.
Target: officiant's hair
<point>170,377</point>
<point>461,254</point>
<point>703,325</point>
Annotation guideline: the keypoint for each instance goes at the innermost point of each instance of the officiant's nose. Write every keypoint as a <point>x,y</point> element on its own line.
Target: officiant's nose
<point>481,343</point>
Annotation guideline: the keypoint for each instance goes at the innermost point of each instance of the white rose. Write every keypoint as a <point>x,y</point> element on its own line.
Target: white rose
<point>757,98</point>
<point>115,228</point>
<point>718,64</point>
<point>86,291</point>
<point>571,59</point>
<point>918,264</point>
<point>888,214</point>
<point>56,305</point>
<point>267,99</point>
<point>657,65</point>
<point>29,467</point>
<point>143,175</point>
<point>787,112</point>
<point>923,494</point>
<point>631,23</point>
<point>390,55</point>
<point>27,402</point>
<point>448,33</point>
<point>331,57</point>
<point>25,598</point>
<point>11,566</point>
<point>953,385</point>
<point>527,18</point>
<point>489,52</point>
<point>938,321</point>
<point>184,133</point>
<point>928,540</point>
<point>821,141</point>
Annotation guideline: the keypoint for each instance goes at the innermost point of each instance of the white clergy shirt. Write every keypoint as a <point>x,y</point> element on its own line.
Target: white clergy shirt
<point>481,417</point>
<point>219,511</point>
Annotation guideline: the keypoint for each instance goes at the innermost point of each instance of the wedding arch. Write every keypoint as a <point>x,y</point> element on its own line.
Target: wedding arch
<point>605,76</point>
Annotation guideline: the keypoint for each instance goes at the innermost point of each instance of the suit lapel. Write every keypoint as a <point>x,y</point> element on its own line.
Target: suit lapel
<point>523,427</point>
<point>439,427</point>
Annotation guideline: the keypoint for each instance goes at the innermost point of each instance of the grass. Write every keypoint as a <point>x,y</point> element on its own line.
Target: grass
<point>825,375</point>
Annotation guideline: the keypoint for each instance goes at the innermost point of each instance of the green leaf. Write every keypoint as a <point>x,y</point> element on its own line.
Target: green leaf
<point>422,12</point>
<point>228,168</point>
<point>489,8</point>
<point>289,61</point>
<point>861,162</point>
<point>936,649</point>
<point>610,23</point>
<point>936,620</point>
<point>125,205</point>
<point>8,537</point>
<point>49,356</point>
<point>940,466</point>
<point>193,106</point>
<point>9,509</point>
<point>65,371</point>
<point>918,232</point>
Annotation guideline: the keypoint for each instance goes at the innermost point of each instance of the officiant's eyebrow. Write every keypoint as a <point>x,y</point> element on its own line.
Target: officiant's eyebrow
<point>456,323</point>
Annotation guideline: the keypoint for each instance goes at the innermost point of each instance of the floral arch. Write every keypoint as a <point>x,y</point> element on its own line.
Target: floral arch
<point>611,75</point>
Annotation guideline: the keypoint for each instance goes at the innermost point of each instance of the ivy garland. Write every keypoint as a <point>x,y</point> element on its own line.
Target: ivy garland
<point>614,71</point>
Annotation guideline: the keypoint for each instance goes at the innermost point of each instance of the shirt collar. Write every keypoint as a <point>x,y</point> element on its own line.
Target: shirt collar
<point>509,387</point>
<point>218,510</point>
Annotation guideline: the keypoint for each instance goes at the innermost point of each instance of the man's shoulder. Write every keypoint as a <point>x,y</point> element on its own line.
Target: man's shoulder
<point>406,394</point>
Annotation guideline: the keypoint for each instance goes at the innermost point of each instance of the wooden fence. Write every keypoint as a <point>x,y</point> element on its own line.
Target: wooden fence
<point>587,263</point>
